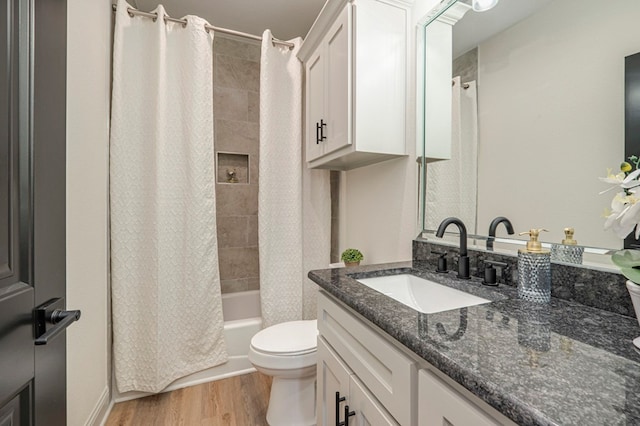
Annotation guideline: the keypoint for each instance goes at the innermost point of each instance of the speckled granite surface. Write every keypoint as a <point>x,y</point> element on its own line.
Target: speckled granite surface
<point>577,283</point>
<point>557,364</point>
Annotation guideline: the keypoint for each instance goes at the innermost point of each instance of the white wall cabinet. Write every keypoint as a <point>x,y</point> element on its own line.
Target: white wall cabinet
<point>355,58</point>
<point>327,91</point>
<point>380,382</point>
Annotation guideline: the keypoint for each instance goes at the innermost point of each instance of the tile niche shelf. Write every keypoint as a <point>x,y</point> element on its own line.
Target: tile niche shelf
<point>232,168</point>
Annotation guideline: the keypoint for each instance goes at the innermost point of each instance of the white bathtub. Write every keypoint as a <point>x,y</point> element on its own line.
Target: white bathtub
<point>242,320</point>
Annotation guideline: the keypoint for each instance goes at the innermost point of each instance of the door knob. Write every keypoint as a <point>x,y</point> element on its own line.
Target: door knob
<point>52,312</point>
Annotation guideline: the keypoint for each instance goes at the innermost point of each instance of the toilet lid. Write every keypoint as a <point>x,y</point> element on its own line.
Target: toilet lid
<point>287,338</point>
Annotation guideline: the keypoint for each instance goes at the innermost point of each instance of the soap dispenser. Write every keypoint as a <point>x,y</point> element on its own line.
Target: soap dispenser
<point>569,251</point>
<point>534,270</point>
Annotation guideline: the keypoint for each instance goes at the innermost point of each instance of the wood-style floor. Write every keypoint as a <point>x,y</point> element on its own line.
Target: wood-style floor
<point>236,401</point>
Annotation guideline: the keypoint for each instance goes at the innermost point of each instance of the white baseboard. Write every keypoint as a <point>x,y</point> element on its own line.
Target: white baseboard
<point>101,411</point>
<point>235,366</point>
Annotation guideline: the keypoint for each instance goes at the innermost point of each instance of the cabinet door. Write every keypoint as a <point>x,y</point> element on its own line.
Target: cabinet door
<point>338,82</point>
<point>367,410</point>
<point>315,94</point>
<point>387,372</point>
<point>441,405</point>
<point>333,376</point>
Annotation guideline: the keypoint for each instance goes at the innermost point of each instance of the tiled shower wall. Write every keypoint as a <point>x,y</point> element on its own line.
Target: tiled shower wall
<point>466,66</point>
<point>236,88</point>
<point>236,101</point>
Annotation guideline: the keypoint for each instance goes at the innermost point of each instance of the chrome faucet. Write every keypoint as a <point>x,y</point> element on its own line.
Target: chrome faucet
<point>492,229</point>
<point>463,261</point>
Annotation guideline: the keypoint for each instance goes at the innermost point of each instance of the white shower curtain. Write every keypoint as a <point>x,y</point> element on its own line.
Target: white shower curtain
<point>167,312</point>
<point>452,185</point>
<point>294,215</point>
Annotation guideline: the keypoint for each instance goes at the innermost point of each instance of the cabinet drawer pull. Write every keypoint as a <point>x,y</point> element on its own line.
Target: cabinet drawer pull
<point>339,399</point>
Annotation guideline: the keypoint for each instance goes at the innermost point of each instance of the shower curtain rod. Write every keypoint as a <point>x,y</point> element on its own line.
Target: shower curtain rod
<point>131,11</point>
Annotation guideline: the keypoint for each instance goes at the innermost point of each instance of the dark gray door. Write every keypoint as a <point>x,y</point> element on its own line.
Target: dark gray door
<point>32,212</point>
<point>631,120</point>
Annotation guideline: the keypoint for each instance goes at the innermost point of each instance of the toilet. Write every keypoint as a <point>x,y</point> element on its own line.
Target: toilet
<point>287,352</point>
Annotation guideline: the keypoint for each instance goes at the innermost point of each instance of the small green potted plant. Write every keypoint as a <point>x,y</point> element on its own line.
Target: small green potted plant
<point>351,257</point>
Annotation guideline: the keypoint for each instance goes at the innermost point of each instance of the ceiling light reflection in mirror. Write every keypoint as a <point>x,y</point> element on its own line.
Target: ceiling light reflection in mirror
<point>483,5</point>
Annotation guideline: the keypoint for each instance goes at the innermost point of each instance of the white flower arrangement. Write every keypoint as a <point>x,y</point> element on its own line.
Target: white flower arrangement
<point>624,215</point>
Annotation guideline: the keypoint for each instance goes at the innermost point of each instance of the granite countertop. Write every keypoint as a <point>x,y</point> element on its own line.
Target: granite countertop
<point>558,364</point>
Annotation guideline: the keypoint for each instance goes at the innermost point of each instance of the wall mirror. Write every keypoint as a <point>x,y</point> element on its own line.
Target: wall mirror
<point>547,118</point>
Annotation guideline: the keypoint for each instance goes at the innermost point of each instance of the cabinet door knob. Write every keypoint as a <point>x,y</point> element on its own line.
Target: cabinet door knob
<point>339,399</point>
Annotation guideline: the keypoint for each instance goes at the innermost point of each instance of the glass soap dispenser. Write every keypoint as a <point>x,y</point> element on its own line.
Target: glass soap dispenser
<point>569,251</point>
<point>534,270</point>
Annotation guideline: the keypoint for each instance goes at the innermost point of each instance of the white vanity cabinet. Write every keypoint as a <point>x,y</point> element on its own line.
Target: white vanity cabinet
<point>342,395</point>
<point>332,385</point>
<point>355,58</point>
<point>439,404</point>
<point>378,381</point>
<point>382,382</point>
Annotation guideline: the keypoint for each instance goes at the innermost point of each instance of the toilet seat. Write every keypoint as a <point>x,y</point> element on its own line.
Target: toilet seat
<point>286,346</point>
<point>287,339</point>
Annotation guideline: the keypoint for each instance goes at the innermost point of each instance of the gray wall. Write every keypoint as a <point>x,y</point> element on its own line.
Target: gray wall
<point>466,66</point>
<point>236,88</point>
<point>236,101</point>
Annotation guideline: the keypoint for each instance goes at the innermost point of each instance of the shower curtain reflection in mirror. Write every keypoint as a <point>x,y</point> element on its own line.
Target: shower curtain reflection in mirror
<point>452,185</point>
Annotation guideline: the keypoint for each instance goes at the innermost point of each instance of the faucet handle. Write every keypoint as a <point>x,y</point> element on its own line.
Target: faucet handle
<point>442,262</point>
<point>491,276</point>
<point>496,263</point>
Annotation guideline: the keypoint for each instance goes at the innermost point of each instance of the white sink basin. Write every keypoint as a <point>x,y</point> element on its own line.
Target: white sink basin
<point>422,295</point>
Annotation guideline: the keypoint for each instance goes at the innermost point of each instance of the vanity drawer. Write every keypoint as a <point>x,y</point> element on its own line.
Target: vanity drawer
<point>389,374</point>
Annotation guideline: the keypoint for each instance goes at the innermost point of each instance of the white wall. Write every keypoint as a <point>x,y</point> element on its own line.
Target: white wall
<point>88,93</point>
<point>551,117</point>
<point>379,209</point>
<point>379,203</point>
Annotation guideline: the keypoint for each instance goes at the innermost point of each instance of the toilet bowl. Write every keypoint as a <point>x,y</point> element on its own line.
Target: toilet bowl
<point>287,352</point>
